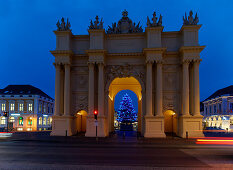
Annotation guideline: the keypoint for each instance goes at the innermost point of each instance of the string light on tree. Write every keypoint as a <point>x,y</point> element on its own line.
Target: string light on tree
<point>126,112</point>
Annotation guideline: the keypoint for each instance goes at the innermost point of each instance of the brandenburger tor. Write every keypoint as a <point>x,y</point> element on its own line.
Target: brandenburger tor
<point>161,68</point>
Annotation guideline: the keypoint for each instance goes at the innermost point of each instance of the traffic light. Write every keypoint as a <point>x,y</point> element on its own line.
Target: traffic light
<point>5,114</point>
<point>95,114</point>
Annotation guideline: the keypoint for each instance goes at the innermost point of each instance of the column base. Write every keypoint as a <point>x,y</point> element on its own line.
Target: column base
<point>154,127</point>
<point>101,128</point>
<point>63,126</point>
<point>190,125</point>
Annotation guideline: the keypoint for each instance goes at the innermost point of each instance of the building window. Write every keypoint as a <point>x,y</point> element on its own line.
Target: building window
<point>3,107</point>
<point>231,106</point>
<point>44,121</point>
<point>210,109</point>
<point>48,109</point>
<point>52,110</point>
<point>12,119</point>
<point>44,109</point>
<point>21,107</point>
<point>220,107</point>
<point>12,107</point>
<point>40,120</point>
<point>40,108</point>
<point>49,122</point>
<point>30,107</point>
<point>215,109</point>
<point>21,121</point>
<point>30,121</point>
<point>3,120</point>
<point>206,111</point>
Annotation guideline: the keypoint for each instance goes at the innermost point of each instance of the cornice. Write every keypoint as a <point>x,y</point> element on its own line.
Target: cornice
<point>190,27</point>
<point>125,54</point>
<point>96,51</point>
<point>63,32</point>
<point>154,50</point>
<point>62,53</point>
<point>191,49</point>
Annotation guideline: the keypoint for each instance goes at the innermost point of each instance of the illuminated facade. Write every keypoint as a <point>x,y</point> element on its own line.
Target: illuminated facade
<point>218,109</point>
<point>161,68</point>
<point>28,107</point>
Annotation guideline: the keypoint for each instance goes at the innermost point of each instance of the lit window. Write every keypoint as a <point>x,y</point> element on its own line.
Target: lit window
<point>12,107</point>
<point>19,129</point>
<point>3,107</point>
<point>29,129</point>
<point>30,121</point>
<point>44,121</point>
<point>12,119</point>
<point>49,122</point>
<point>21,121</point>
<point>40,120</point>
<point>30,107</point>
<point>3,120</point>
<point>21,107</point>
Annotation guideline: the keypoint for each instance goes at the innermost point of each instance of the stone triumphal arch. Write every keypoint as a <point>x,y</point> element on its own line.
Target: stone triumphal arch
<point>162,68</point>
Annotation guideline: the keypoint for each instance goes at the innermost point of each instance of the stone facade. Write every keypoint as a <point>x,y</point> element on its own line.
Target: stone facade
<point>166,65</point>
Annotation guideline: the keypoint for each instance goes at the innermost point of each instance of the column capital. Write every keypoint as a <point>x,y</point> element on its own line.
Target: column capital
<point>159,62</point>
<point>197,60</point>
<point>186,61</point>
<point>57,65</point>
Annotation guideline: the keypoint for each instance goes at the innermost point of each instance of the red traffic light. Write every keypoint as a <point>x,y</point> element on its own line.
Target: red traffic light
<point>95,112</point>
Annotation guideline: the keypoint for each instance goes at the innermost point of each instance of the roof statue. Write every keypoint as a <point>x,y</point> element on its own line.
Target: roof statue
<point>97,24</point>
<point>190,20</point>
<point>154,21</point>
<point>63,26</point>
<point>124,26</point>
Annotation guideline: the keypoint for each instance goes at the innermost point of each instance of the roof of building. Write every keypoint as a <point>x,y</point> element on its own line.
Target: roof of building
<point>227,91</point>
<point>23,90</point>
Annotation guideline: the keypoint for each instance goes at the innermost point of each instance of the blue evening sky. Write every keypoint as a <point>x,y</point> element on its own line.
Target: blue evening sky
<point>27,36</point>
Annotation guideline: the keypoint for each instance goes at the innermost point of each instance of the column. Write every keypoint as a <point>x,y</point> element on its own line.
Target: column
<point>191,87</point>
<point>67,91</point>
<point>57,89</point>
<point>62,92</point>
<point>101,89</point>
<point>91,89</point>
<point>185,90</point>
<point>159,89</point>
<point>149,89</point>
<point>196,89</point>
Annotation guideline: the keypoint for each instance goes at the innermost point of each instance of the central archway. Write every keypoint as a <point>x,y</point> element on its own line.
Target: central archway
<point>117,85</point>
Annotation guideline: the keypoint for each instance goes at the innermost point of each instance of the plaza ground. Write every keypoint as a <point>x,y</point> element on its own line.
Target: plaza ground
<point>40,151</point>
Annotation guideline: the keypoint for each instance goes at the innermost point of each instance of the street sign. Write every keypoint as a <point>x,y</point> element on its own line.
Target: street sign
<point>96,122</point>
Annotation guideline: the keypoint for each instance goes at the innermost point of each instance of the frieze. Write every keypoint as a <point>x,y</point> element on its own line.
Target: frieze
<point>80,102</point>
<point>127,70</point>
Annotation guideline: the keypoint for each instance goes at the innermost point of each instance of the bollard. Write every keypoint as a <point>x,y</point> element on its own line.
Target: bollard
<point>66,132</point>
<point>187,135</point>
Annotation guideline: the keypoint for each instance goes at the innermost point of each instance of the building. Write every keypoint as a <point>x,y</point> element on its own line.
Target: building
<point>161,68</point>
<point>29,108</point>
<point>218,109</point>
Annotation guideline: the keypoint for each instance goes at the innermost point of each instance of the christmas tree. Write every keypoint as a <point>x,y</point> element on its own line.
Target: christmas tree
<point>126,112</point>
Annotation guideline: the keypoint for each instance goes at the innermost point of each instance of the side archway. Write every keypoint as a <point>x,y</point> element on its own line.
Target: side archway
<point>170,122</point>
<point>81,118</point>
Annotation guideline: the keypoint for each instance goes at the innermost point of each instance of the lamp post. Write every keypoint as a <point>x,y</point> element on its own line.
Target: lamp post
<point>173,113</point>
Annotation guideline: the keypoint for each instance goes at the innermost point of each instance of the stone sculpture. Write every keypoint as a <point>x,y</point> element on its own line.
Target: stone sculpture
<point>63,26</point>
<point>97,24</point>
<point>190,20</point>
<point>124,26</point>
<point>154,21</point>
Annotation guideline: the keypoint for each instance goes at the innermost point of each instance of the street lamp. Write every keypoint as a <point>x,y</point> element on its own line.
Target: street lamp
<point>173,113</point>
